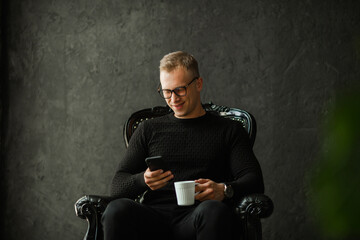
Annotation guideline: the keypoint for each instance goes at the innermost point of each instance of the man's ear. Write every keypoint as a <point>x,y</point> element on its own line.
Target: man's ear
<point>199,84</point>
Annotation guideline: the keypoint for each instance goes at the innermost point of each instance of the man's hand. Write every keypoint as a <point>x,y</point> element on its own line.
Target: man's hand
<point>209,190</point>
<point>157,179</point>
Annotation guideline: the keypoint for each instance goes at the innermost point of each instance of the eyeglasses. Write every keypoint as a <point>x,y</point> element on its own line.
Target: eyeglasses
<point>179,91</point>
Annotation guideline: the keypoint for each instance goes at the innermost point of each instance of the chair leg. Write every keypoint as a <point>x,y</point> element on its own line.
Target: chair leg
<point>253,228</point>
<point>94,231</point>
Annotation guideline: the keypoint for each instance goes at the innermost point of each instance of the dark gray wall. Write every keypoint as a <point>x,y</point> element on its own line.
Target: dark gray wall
<point>78,69</point>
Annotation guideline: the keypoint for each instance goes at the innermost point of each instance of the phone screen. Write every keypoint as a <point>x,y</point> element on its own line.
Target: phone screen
<point>155,163</point>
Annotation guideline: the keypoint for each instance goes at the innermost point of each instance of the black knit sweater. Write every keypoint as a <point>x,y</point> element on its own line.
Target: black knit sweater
<point>209,146</point>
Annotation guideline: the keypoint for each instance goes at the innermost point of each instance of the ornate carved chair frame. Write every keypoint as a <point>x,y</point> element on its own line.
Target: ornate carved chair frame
<point>250,210</point>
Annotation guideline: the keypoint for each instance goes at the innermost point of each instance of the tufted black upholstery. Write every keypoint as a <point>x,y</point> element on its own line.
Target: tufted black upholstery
<point>249,210</point>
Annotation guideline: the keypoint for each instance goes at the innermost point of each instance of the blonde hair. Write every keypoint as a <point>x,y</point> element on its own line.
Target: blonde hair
<point>179,59</point>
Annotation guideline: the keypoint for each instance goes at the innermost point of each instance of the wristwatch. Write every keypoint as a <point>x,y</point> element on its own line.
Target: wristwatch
<point>228,191</point>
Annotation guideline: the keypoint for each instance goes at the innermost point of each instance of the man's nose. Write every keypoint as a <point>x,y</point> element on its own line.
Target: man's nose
<point>174,97</point>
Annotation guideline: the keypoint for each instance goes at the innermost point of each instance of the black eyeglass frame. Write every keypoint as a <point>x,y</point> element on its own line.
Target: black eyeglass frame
<point>175,89</point>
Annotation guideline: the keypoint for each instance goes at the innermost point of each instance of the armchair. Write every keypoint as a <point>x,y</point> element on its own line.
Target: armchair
<point>250,210</point>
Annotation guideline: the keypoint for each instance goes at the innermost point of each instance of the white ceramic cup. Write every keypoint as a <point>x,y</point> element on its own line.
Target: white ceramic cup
<point>185,192</point>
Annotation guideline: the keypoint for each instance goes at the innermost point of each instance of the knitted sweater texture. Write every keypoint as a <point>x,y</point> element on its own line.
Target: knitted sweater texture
<point>209,147</point>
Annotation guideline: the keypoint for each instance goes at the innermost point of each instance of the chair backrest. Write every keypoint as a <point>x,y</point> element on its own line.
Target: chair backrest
<point>246,119</point>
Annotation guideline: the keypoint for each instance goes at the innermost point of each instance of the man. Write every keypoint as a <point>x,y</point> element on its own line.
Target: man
<point>213,151</point>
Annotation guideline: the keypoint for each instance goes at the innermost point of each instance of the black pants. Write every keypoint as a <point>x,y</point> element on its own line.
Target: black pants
<point>127,219</point>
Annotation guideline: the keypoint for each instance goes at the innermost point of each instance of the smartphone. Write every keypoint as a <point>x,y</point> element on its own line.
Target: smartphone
<point>155,163</point>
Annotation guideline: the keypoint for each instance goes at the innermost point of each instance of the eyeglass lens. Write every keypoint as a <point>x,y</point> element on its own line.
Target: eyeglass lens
<point>180,91</point>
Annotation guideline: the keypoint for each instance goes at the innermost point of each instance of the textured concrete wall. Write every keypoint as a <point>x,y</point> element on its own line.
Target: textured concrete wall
<point>78,69</point>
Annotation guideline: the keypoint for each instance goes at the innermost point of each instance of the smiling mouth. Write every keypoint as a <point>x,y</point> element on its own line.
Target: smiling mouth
<point>177,105</point>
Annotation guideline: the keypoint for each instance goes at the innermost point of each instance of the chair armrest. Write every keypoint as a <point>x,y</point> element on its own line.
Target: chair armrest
<point>91,208</point>
<point>91,204</point>
<point>255,205</point>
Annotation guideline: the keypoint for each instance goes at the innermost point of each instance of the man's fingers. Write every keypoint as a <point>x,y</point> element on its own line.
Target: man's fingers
<point>206,194</point>
<point>158,184</point>
<point>151,174</point>
<point>159,181</point>
<point>162,180</point>
<point>202,180</point>
<point>156,175</point>
<point>203,184</point>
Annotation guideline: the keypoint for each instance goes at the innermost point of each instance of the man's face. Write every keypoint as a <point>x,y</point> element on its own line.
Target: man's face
<point>188,106</point>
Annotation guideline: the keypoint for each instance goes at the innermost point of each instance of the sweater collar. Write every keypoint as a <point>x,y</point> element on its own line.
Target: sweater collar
<point>188,120</point>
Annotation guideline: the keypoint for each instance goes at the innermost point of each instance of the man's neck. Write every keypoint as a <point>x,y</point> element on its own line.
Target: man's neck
<point>199,112</point>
